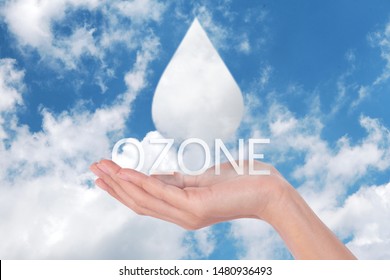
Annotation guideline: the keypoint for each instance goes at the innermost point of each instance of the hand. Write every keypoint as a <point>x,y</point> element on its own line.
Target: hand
<point>194,202</point>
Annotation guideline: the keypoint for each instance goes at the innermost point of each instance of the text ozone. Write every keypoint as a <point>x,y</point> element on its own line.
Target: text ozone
<point>219,146</point>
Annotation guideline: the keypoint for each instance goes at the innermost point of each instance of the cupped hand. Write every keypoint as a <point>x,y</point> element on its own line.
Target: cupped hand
<point>194,202</point>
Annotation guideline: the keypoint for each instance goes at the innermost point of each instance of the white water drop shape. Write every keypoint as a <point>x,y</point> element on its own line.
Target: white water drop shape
<point>196,95</point>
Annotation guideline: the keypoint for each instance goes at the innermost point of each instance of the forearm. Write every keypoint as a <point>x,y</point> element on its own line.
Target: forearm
<point>306,236</point>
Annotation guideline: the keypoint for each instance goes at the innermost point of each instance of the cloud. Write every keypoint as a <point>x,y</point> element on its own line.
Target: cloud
<point>140,10</point>
<point>31,20</point>
<point>80,43</point>
<point>223,37</point>
<point>196,95</point>
<point>35,26</point>
<point>49,206</point>
<point>363,93</point>
<point>202,242</point>
<point>217,32</point>
<point>323,173</point>
<point>257,240</point>
<point>381,39</point>
<point>128,155</point>
<point>205,240</point>
<point>362,219</point>
<point>293,137</point>
<point>44,178</point>
<point>349,162</point>
<point>11,89</point>
<point>265,76</point>
<point>329,171</point>
<point>11,85</point>
<point>244,46</point>
<point>52,209</point>
<point>136,78</point>
<point>350,91</point>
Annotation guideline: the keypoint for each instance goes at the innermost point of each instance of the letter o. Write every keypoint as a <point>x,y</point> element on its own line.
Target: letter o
<point>136,143</point>
<point>181,152</point>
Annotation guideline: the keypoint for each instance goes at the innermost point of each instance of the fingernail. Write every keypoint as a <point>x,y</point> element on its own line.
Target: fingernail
<point>103,168</point>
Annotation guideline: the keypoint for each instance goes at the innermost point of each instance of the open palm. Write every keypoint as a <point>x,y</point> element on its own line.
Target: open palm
<point>192,201</point>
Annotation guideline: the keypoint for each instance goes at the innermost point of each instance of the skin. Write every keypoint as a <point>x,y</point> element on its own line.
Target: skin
<point>194,202</point>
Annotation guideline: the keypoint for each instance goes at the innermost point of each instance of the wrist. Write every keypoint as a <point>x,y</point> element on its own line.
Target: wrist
<point>279,196</point>
<point>306,236</point>
<point>283,204</point>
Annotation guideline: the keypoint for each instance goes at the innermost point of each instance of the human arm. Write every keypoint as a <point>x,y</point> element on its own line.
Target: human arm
<point>306,236</point>
<point>194,202</point>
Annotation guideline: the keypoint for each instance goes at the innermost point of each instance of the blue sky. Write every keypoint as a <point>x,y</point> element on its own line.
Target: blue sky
<point>78,75</point>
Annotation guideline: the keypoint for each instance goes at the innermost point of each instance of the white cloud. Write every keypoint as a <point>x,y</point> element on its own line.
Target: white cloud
<point>46,172</point>
<point>128,155</point>
<point>53,217</point>
<point>381,39</point>
<point>324,167</point>
<point>257,240</point>
<point>31,20</point>
<point>202,241</point>
<point>265,76</point>
<point>351,93</point>
<point>223,37</point>
<point>363,93</point>
<point>350,56</point>
<point>346,88</point>
<point>136,78</point>
<point>329,172</point>
<point>324,174</point>
<point>80,43</point>
<point>140,10</point>
<point>32,23</point>
<point>50,210</point>
<point>244,45</point>
<point>364,219</point>
<point>44,185</point>
<point>49,207</point>
<point>11,85</point>
<point>196,95</point>
<point>218,33</point>
<point>11,88</point>
<point>205,239</point>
